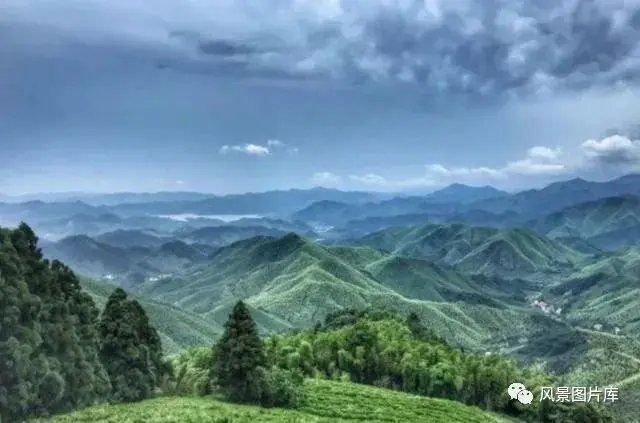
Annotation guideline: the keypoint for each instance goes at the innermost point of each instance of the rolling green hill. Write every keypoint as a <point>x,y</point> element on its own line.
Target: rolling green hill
<point>326,402</point>
<point>293,282</point>
<point>510,252</point>
<point>605,224</point>
<point>178,328</point>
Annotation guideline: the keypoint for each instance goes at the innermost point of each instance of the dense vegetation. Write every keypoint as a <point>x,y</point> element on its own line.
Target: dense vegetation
<point>55,354</point>
<point>377,347</point>
<point>238,357</point>
<point>48,339</point>
<point>130,349</point>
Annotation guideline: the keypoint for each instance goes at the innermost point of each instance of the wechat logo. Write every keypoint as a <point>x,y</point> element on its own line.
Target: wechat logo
<point>519,392</point>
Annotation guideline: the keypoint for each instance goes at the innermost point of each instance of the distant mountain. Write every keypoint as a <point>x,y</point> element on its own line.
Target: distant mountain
<point>90,257</point>
<point>128,264</point>
<point>270,202</point>
<point>113,199</point>
<point>224,235</point>
<point>180,250</point>
<point>339,214</point>
<point>338,228</point>
<point>509,252</point>
<point>605,224</point>
<point>478,217</point>
<point>279,224</point>
<point>98,224</point>
<point>358,228</point>
<point>532,204</point>
<point>108,199</point>
<point>37,211</point>
<point>464,194</point>
<point>131,238</point>
<point>135,255</point>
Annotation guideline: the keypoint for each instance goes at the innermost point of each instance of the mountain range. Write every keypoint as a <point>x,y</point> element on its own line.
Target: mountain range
<point>528,274</point>
<point>538,310</point>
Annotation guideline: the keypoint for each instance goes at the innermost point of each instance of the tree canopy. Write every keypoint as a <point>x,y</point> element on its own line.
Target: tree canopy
<point>48,341</point>
<point>239,357</point>
<point>131,350</point>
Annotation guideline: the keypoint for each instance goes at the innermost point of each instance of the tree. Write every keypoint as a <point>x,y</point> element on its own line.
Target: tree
<point>131,350</point>
<point>48,342</point>
<point>239,357</point>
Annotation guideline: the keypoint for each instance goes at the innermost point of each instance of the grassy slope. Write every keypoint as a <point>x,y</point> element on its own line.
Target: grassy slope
<point>326,402</point>
<point>177,328</point>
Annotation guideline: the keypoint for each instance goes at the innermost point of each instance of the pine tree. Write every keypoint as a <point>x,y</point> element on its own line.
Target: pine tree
<point>239,357</point>
<point>131,350</point>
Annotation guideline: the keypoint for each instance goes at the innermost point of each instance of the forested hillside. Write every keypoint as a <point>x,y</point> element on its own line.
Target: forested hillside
<point>56,353</point>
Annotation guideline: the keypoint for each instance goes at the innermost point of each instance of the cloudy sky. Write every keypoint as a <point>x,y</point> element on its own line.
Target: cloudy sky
<point>248,95</point>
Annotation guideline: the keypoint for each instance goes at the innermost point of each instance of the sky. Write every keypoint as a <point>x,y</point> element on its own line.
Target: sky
<point>228,96</point>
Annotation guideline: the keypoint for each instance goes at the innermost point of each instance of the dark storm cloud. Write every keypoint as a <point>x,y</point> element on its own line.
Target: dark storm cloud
<point>483,48</point>
<point>224,48</point>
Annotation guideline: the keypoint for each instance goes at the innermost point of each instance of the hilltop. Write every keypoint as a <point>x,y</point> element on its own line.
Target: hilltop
<point>464,194</point>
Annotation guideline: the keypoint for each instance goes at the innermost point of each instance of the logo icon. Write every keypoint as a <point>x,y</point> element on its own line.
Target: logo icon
<point>519,392</point>
<point>525,397</point>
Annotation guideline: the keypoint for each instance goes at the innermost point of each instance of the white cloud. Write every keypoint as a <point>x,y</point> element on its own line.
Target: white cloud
<point>369,179</point>
<point>540,152</point>
<point>613,150</point>
<point>619,153</point>
<point>539,160</point>
<point>325,179</point>
<point>440,171</point>
<point>275,143</point>
<point>179,182</point>
<point>250,149</point>
<point>257,149</point>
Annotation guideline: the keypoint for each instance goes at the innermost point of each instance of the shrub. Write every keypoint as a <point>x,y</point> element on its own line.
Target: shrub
<point>281,388</point>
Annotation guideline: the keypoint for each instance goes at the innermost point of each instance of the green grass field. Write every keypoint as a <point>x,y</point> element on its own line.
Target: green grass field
<point>325,402</point>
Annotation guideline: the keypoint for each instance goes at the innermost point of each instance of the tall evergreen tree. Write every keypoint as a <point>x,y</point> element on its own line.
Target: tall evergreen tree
<point>48,343</point>
<point>239,357</point>
<point>131,350</point>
